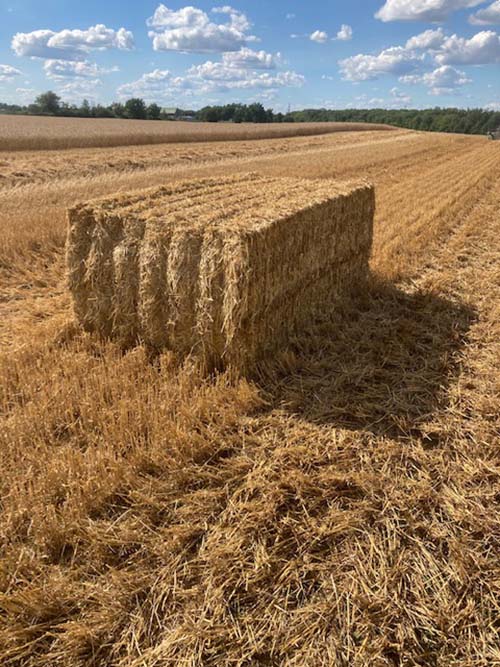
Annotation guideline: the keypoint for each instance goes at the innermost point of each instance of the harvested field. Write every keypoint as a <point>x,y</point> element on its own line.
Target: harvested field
<point>48,133</point>
<point>226,269</point>
<point>341,510</point>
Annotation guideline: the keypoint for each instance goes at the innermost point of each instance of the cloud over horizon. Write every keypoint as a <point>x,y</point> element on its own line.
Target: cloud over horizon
<point>487,16</point>
<point>248,51</point>
<point>70,44</point>
<point>241,70</point>
<point>81,69</point>
<point>191,30</point>
<point>428,58</point>
<point>8,73</point>
<point>422,10</point>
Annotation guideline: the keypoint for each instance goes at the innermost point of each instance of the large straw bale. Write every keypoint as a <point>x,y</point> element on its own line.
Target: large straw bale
<point>226,269</point>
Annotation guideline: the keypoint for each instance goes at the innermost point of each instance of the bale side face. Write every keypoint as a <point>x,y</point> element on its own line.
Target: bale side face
<point>294,268</point>
<point>224,269</point>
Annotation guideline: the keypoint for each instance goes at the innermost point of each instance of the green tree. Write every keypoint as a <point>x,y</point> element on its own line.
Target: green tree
<point>153,112</point>
<point>135,107</point>
<point>256,113</point>
<point>239,114</point>
<point>49,103</point>
<point>102,112</point>
<point>117,110</point>
<point>211,115</point>
<point>85,108</point>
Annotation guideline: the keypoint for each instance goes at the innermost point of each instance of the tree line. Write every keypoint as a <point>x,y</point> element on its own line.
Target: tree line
<point>465,121</point>
<point>50,104</point>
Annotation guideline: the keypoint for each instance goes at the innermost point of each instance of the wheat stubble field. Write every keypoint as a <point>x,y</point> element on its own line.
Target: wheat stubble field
<point>342,508</point>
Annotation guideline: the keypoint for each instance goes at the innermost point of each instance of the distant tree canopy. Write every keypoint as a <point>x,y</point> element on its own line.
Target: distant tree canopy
<point>153,112</point>
<point>466,121</point>
<point>49,103</point>
<point>135,108</point>
<point>236,113</point>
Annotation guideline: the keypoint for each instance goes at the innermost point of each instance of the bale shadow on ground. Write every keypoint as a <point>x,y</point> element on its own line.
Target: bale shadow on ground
<point>381,362</point>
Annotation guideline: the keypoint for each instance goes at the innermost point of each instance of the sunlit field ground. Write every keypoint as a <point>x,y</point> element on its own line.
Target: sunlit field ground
<point>342,508</point>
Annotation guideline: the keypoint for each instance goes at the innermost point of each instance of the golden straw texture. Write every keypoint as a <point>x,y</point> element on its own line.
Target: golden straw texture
<point>224,269</point>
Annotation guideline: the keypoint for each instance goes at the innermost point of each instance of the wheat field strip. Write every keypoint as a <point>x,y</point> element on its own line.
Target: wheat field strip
<point>45,133</point>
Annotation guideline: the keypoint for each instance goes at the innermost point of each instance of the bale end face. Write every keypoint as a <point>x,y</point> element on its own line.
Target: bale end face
<point>224,269</point>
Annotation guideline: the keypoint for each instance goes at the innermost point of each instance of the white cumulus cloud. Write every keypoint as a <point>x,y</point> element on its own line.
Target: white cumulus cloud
<point>481,49</point>
<point>319,36</point>
<point>221,77</point>
<point>422,10</point>
<point>70,44</point>
<point>155,86</point>
<point>241,70</point>
<point>187,17</point>
<point>79,69</point>
<point>429,50</point>
<point>76,91</point>
<point>400,98</point>
<point>26,95</point>
<point>249,59</point>
<point>396,60</point>
<point>487,16</point>
<point>444,80</point>
<point>430,39</point>
<point>345,33</point>
<point>237,19</point>
<point>190,29</point>
<point>8,73</point>
<point>366,102</point>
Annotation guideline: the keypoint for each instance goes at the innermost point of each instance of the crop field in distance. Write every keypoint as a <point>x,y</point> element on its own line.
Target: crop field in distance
<point>41,133</point>
<point>341,508</point>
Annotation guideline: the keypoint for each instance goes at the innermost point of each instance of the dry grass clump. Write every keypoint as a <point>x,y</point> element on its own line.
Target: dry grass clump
<point>46,133</point>
<point>225,269</point>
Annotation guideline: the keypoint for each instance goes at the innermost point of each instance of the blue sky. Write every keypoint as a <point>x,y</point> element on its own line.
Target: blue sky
<point>331,53</point>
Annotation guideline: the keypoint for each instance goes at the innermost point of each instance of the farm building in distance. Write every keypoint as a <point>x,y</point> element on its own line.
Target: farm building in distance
<point>174,113</point>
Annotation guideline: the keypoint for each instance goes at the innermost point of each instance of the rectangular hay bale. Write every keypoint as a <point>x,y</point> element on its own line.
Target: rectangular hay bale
<point>226,269</point>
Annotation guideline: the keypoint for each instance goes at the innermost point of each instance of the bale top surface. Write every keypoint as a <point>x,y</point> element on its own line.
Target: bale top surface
<point>239,201</point>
